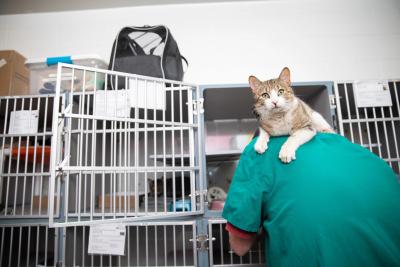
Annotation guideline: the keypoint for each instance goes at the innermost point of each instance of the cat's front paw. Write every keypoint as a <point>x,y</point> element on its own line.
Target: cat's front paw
<point>287,153</point>
<point>327,130</point>
<point>260,146</point>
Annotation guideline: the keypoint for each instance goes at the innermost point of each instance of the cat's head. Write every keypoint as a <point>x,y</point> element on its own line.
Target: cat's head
<point>273,95</point>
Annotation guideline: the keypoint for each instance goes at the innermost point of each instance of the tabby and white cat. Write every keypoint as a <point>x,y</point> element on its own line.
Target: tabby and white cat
<point>280,112</point>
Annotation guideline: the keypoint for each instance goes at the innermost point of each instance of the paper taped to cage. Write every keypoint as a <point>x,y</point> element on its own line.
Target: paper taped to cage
<point>24,122</point>
<point>107,239</point>
<point>372,94</point>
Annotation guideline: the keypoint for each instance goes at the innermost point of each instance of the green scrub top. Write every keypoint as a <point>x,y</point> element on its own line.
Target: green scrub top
<point>337,204</point>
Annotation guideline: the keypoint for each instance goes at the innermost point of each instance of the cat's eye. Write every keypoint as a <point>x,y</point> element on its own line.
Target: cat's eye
<point>281,91</point>
<point>265,95</point>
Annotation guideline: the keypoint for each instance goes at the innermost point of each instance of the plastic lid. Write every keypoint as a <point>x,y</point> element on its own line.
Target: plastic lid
<point>91,60</point>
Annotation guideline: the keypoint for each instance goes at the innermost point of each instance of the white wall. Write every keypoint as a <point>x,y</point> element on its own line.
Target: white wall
<point>225,42</point>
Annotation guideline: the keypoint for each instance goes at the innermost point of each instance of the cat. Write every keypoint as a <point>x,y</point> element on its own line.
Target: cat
<point>280,112</point>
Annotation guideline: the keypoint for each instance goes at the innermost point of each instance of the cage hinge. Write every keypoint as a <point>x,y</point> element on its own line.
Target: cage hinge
<point>64,132</point>
<point>66,110</point>
<point>332,101</point>
<point>198,106</point>
<point>202,242</point>
<point>199,193</point>
<point>61,165</point>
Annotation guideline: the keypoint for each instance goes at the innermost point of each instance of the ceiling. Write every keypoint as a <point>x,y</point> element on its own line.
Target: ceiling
<point>8,7</point>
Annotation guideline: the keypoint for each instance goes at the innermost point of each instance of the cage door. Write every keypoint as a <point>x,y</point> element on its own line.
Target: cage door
<point>159,243</point>
<point>371,120</point>
<point>127,155</point>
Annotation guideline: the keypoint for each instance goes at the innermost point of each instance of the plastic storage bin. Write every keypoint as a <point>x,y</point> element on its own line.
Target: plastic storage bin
<point>43,73</point>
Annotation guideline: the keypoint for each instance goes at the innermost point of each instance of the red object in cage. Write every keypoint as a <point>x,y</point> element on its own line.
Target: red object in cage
<point>42,153</point>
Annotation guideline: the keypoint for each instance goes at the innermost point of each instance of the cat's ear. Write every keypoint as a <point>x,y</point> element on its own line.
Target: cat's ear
<point>254,83</point>
<point>285,75</point>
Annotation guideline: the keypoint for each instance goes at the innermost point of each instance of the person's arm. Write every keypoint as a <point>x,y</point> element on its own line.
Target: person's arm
<point>240,241</point>
<point>240,245</point>
<point>247,189</point>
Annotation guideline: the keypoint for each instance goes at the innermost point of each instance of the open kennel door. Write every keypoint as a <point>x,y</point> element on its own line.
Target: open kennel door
<point>125,155</point>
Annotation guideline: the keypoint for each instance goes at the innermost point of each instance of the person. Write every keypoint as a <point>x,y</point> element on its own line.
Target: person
<point>337,204</point>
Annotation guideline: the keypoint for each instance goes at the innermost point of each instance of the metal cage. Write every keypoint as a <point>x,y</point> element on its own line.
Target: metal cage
<point>146,244</point>
<point>28,245</point>
<point>135,156</point>
<point>375,128</point>
<point>25,144</point>
<point>129,154</point>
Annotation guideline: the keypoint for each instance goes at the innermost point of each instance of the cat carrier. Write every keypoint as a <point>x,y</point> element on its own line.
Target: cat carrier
<point>149,50</point>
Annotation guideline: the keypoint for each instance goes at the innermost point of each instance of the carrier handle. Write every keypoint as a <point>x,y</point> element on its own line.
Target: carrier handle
<point>187,63</point>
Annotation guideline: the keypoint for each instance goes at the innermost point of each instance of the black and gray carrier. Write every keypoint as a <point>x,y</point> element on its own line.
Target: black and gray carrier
<point>149,51</point>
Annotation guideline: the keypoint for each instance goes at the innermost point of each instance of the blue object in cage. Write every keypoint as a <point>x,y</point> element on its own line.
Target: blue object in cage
<point>180,205</point>
<point>54,60</point>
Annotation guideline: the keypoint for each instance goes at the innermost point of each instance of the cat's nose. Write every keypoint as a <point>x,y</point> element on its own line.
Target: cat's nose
<point>274,102</point>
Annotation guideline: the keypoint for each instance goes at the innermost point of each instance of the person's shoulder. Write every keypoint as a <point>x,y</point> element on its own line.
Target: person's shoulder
<point>332,139</point>
<point>250,146</point>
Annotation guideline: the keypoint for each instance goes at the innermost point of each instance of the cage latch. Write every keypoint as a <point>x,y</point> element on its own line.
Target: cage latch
<point>202,242</point>
<point>198,106</point>
<point>61,166</point>
<point>332,101</point>
<point>198,194</point>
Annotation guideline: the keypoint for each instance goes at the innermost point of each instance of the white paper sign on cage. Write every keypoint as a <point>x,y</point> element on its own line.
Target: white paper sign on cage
<point>147,94</point>
<point>107,239</point>
<point>112,103</point>
<point>372,94</point>
<point>24,122</point>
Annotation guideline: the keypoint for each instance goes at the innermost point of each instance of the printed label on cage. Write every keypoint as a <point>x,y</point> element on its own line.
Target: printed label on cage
<point>24,122</point>
<point>372,94</point>
<point>113,103</point>
<point>107,239</point>
<point>147,94</point>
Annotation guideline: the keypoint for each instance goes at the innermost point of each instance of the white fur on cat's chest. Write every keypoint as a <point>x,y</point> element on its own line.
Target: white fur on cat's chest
<point>281,126</point>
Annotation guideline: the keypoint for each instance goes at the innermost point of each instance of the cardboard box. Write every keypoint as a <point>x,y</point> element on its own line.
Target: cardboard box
<point>43,203</point>
<point>14,76</point>
<point>108,201</point>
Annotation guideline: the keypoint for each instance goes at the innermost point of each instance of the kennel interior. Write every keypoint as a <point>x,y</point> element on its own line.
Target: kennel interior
<point>28,245</point>
<point>25,144</point>
<point>229,124</point>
